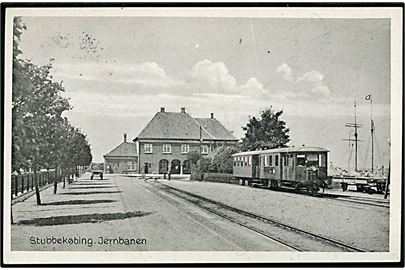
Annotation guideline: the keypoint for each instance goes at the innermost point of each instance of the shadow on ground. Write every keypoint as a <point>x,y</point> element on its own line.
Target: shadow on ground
<point>89,192</point>
<point>72,202</point>
<point>90,183</point>
<point>91,187</point>
<point>78,219</point>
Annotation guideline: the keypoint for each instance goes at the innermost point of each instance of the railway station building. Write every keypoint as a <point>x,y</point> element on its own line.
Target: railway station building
<point>122,159</point>
<point>164,144</point>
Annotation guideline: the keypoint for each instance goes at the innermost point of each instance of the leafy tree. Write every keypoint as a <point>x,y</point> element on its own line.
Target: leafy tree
<point>219,161</point>
<point>194,157</point>
<point>41,137</point>
<point>222,158</point>
<point>265,132</point>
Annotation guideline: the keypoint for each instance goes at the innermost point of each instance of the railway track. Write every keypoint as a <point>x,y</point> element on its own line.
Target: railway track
<point>359,200</point>
<point>295,238</point>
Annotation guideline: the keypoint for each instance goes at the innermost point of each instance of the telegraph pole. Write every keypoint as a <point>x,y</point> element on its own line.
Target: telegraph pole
<point>355,126</point>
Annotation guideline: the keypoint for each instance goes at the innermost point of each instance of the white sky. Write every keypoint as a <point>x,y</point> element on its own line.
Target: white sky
<point>313,69</point>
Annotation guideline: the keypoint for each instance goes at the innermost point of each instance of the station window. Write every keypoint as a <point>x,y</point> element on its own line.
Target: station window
<point>204,149</point>
<point>167,148</point>
<point>148,148</point>
<point>276,160</point>
<point>185,148</point>
<point>131,165</point>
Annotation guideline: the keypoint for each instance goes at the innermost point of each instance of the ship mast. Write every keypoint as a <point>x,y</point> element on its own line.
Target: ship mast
<point>356,140</point>
<point>372,129</point>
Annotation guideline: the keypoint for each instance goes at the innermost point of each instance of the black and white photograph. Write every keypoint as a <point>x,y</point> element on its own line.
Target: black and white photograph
<point>202,134</point>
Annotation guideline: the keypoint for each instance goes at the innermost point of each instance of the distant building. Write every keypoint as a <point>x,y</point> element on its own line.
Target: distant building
<point>167,139</point>
<point>122,159</point>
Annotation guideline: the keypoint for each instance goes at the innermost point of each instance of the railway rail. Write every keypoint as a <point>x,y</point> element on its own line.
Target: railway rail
<point>293,237</point>
<point>359,200</point>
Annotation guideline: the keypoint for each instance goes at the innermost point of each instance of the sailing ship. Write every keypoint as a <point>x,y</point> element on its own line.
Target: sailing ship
<point>373,180</point>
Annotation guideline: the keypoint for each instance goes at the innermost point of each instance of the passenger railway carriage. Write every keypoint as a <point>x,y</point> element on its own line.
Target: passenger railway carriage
<point>299,168</point>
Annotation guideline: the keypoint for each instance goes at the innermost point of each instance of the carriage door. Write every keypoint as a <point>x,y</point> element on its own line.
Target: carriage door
<point>255,166</point>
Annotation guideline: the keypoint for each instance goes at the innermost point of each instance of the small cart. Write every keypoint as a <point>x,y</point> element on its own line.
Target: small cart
<point>96,172</point>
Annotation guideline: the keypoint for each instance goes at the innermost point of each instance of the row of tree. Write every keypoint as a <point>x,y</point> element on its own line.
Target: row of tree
<point>267,131</point>
<point>41,137</point>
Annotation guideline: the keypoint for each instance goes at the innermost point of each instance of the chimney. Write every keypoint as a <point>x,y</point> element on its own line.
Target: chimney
<point>212,115</point>
<point>162,109</point>
<point>125,137</point>
<point>183,110</point>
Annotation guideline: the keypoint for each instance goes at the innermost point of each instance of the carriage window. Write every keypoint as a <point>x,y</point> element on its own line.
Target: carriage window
<point>322,160</point>
<point>276,160</point>
<point>270,160</point>
<point>290,160</point>
<point>234,161</point>
<point>249,160</point>
<point>312,160</point>
<point>300,160</point>
<point>246,160</point>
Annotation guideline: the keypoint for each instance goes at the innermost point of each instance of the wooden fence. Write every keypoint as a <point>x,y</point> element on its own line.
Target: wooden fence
<point>220,178</point>
<point>22,183</point>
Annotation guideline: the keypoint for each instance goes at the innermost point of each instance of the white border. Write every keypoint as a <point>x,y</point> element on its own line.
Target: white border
<point>395,14</point>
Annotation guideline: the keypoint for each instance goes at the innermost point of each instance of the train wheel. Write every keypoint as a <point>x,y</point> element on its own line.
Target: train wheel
<point>344,186</point>
<point>369,190</point>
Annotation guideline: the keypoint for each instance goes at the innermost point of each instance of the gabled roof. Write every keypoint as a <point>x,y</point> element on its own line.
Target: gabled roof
<point>215,128</point>
<point>125,149</point>
<point>173,125</point>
